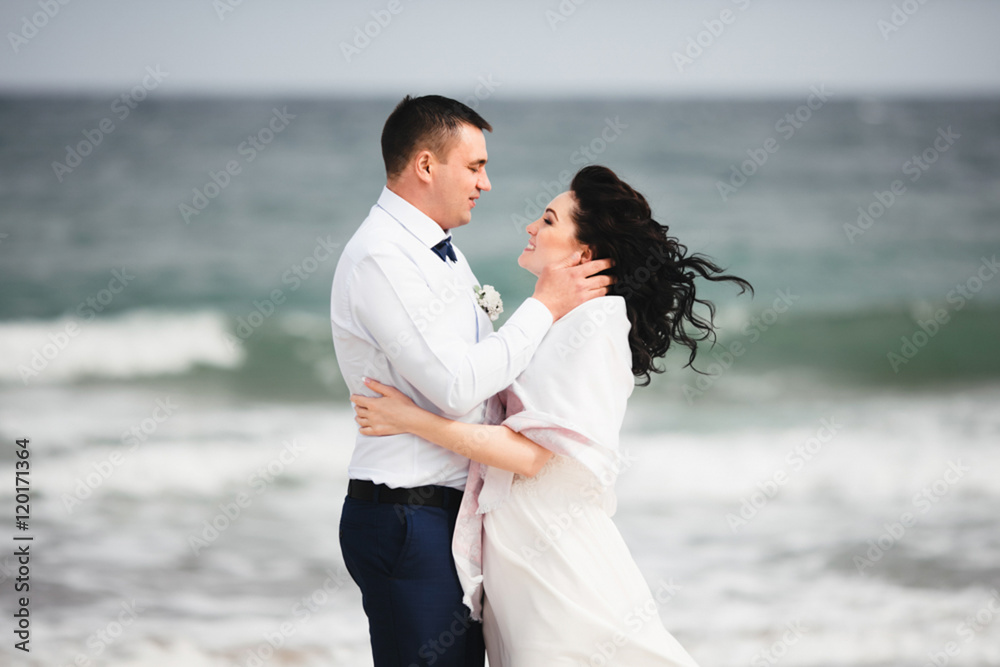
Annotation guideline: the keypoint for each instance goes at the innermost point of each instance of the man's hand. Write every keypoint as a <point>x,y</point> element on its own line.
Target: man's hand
<point>563,287</point>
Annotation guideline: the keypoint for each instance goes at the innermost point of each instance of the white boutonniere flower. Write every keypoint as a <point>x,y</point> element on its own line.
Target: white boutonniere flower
<point>489,300</point>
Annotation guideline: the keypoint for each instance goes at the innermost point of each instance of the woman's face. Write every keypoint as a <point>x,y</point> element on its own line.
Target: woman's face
<point>552,238</point>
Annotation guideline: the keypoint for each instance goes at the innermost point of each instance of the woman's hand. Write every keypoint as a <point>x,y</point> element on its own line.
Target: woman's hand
<point>391,413</point>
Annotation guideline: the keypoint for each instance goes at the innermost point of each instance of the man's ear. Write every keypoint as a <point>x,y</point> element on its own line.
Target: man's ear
<point>422,164</point>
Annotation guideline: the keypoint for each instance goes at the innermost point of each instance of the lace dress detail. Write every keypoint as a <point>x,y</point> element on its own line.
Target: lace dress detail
<point>529,485</point>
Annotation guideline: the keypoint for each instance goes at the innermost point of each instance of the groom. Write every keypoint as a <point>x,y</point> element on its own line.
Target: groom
<point>404,311</point>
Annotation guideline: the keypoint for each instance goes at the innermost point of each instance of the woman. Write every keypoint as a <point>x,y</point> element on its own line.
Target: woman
<point>537,553</point>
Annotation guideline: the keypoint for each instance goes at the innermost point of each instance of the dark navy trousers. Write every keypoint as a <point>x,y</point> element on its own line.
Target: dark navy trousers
<point>400,557</point>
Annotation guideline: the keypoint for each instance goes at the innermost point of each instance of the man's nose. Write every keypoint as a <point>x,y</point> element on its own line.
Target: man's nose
<point>484,182</point>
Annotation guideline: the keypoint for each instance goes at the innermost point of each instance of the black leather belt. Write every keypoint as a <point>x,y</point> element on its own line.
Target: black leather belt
<point>430,495</point>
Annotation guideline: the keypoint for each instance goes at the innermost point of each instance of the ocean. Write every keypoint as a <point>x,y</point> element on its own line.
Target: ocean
<point>826,495</point>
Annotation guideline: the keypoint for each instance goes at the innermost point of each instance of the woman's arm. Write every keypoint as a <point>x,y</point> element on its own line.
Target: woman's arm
<point>497,446</point>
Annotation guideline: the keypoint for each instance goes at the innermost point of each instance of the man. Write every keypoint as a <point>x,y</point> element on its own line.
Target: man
<point>404,311</point>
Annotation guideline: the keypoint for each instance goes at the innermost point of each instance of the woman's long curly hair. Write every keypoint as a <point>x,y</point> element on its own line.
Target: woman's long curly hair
<point>653,270</point>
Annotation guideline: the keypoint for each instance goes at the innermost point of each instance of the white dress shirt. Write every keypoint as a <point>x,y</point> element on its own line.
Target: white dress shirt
<point>406,318</point>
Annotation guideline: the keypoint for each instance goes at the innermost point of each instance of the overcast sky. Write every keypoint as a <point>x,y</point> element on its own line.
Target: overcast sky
<point>523,47</point>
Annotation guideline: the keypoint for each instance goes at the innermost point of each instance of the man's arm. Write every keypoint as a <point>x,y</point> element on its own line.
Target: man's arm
<point>394,304</point>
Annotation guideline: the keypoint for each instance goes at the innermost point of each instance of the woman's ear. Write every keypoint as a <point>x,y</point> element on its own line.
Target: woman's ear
<point>587,255</point>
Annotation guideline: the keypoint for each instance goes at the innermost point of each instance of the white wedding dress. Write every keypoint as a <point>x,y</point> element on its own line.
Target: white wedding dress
<point>561,587</point>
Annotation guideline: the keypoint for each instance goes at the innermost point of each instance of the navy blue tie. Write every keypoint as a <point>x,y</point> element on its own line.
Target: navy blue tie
<point>445,251</point>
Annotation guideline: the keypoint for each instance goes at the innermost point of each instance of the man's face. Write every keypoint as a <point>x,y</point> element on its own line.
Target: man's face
<point>460,177</point>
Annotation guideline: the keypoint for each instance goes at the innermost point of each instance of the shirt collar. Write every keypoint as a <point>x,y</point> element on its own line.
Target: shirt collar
<point>413,219</point>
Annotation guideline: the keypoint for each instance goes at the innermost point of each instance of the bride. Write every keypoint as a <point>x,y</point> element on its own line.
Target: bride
<point>540,560</point>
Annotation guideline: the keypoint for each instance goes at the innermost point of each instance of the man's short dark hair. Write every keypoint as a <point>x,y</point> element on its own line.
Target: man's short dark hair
<point>430,122</point>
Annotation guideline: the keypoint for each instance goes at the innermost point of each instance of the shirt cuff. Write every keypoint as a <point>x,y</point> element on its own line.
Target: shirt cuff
<point>533,318</point>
